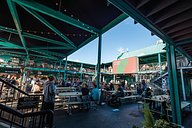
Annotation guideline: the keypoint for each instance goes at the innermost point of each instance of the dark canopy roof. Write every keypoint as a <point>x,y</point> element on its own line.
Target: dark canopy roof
<point>171,20</point>
<point>53,29</point>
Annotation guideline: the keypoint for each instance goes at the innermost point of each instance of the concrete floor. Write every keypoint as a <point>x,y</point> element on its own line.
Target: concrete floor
<point>127,116</point>
<point>104,117</point>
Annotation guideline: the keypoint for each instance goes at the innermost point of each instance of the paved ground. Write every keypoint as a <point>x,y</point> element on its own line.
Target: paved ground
<point>127,116</point>
<point>104,117</point>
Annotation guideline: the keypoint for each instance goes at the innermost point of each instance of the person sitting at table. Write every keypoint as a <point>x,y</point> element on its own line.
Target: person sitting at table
<point>106,87</point>
<point>148,94</point>
<point>85,95</point>
<point>36,88</point>
<point>111,86</point>
<point>120,92</point>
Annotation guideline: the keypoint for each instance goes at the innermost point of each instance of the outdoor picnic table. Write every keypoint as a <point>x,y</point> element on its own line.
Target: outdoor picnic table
<point>64,94</point>
<point>157,99</point>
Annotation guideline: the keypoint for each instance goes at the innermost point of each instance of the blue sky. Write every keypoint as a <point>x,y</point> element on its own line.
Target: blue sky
<point>125,35</point>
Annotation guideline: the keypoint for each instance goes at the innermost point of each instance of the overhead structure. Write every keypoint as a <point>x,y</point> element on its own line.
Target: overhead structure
<point>171,20</point>
<point>52,30</point>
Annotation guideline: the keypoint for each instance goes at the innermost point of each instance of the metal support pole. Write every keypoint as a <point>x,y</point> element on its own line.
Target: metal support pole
<point>81,71</point>
<point>104,69</point>
<point>136,77</point>
<point>103,78</point>
<point>159,61</point>
<point>99,61</point>
<point>114,78</point>
<point>65,72</point>
<point>24,71</point>
<point>59,70</point>
<point>183,86</point>
<point>173,84</point>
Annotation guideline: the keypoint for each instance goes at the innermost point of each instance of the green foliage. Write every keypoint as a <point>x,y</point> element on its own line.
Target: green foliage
<point>161,123</point>
<point>149,121</point>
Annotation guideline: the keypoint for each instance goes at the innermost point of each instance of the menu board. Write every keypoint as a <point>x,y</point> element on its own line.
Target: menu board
<point>28,102</point>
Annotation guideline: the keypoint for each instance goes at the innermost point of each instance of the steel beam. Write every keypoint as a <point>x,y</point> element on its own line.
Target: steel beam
<point>114,22</point>
<point>184,53</point>
<point>51,53</point>
<point>159,61</point>
<point>183,84</point>
<point>43,53</point>
<point>183,42</point>
<point>81,71</point>
<point>15,16</point>
<point>9,43</point>
<point>45,22</point>
<point>99,61</point>
<point>14,52</point>
<point>57,15</point>
<point>173,84</point>
<point>48,57</point>
<point>129,10</point>
<point>81,45</point>
<point>59,48</point>
<point>11,54</point>
<point>65,70</point>
<point>32,36</point>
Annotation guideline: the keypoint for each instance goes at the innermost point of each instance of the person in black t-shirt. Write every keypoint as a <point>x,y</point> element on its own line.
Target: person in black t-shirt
<point>85,90</point>
<point>85,95</point>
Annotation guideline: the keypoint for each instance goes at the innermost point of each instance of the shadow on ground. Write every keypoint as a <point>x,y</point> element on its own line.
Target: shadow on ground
<point>127,116</point>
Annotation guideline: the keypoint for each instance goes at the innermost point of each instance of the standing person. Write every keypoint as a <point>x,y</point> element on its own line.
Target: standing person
<point>144,85</point>
<point>85,95</point>
<point>95,93</point>
<point>94,96</point>
<point>49,95</point>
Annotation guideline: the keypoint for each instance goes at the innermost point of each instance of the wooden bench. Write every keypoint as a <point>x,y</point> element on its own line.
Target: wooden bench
<point>71,104</point>
<point>127,98</point>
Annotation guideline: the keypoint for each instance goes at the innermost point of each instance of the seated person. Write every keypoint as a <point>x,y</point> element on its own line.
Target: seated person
<point>106,87</point>
<point>148,94</point>
<point>111,86</point>
<point>35,88</point>
<point>120,92</point>
<point>85,91</point>
<point>85,95</point>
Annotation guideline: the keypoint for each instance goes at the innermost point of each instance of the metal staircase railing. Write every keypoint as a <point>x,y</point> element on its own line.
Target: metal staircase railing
<point>20,109</point>
<point>17,119</point>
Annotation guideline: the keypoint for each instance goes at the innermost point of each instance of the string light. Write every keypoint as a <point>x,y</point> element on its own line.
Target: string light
<point>54,34</point>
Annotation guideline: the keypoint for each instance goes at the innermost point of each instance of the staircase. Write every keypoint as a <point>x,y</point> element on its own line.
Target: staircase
<point>20,110</point>
<point>158,80</point>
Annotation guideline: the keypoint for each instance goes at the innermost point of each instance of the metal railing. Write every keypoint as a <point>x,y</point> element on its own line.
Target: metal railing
<point>10,95</point>
<point>17,119</point>
<point>22,109</point>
